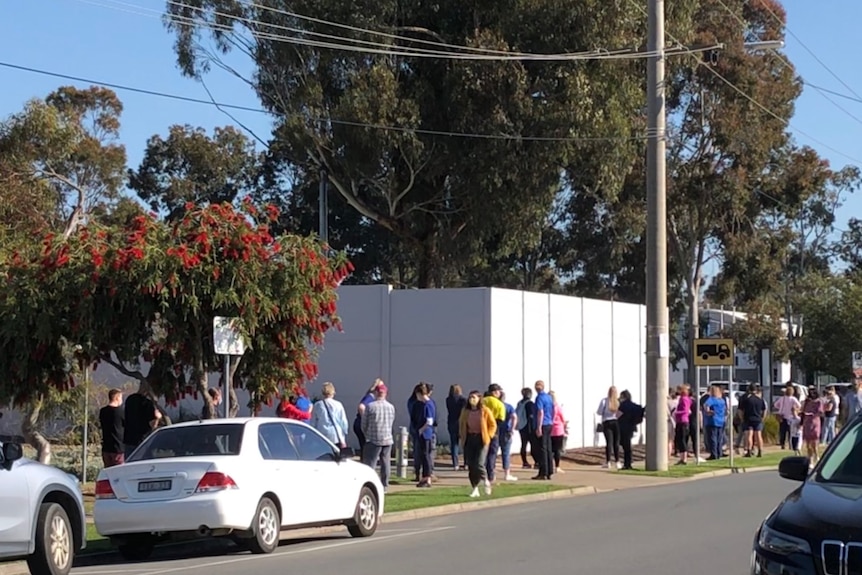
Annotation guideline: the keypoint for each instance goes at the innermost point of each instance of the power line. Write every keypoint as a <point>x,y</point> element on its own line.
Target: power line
<point>324,121</point>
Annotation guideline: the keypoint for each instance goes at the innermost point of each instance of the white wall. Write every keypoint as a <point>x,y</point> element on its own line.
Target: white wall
<point>475,337</point>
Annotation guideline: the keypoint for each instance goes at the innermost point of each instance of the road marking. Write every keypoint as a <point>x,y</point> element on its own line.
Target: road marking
<point>213,564</point>
<point>141,571</point>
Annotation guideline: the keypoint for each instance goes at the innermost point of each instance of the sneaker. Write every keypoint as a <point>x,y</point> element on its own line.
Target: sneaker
<point>558,470</point>
<point>475,492</point>
<point>606,465</point>
<point>487,487</point>
<point>619,465</point>
<point>510,477</point>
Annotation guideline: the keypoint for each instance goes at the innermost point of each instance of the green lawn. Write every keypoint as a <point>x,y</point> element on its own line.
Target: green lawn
<point>95,542</point>
<point>437,496</point>
<point>768,460</point>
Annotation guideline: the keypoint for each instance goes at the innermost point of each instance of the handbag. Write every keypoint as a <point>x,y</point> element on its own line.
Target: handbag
<point>600,428</point>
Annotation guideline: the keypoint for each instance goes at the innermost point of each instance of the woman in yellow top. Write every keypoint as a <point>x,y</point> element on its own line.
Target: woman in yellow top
<point>477,428</point>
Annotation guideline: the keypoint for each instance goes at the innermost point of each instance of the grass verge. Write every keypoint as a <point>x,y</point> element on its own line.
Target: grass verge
<point>95,542</point>
<point>437,496</point>
<point>768,460</point>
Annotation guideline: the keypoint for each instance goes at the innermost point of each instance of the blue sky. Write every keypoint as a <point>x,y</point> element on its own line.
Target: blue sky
<point>90,39</point>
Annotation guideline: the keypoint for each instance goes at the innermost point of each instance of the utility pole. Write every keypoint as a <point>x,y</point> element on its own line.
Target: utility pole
<point>323,206</point>
<point>658,341</point>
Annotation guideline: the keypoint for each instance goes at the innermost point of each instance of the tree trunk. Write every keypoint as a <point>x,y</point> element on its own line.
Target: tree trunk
<point>693,332</point>
<point>29,429</point>
<point>427,275</point>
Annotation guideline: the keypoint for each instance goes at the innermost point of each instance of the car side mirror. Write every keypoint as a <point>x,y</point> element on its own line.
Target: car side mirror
<point>794,468</point>
<point>12,452</point>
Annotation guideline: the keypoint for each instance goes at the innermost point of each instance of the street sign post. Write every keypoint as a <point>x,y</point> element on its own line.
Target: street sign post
<point>227,341</point>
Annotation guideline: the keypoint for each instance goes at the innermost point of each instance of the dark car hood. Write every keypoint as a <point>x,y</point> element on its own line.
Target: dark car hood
<point>821,510</point>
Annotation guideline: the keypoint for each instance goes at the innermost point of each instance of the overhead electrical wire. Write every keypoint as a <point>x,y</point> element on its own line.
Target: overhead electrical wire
<point>334,121</point>
<point>386,49</point>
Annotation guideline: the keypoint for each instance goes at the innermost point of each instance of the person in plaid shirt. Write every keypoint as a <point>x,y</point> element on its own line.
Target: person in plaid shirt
<point>377,421</point>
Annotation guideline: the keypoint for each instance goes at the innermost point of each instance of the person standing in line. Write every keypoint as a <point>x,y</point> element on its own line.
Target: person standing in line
<point>378,417</point>
<point>559,432</point>
<point>328,417</point>
<point>682,420</point>
<point>832,409</point>
<point>715,412</point>
<point>477,427</point>
<point>506,438</point>
<point>455,404</point>
<point>788,408</point>
<point>544,425</point>
<point>526,410</point>
<point>424,416</point>
<point>288,408</point>
<point>753,409</point>
<point>811,411</point>
<point>672,403</point>
<point>414,437</point>
<point>112,422</point>
<point>215,399</point>
<point>357,421</point>
<point>631,415</point>
<point>498,410</point>
<point>609,410</point>
<point>433,460</point>
<point>142,416</point>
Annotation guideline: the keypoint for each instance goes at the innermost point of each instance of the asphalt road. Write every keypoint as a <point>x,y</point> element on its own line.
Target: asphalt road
<point>702,527</point>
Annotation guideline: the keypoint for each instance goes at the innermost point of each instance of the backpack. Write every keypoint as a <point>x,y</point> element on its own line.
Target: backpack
<point>638,416</point>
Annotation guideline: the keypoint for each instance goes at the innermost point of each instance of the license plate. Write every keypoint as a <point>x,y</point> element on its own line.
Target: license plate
<point>149,486</point>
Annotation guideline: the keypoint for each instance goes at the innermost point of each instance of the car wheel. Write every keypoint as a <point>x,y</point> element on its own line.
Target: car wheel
<point>55,542</point>
<point>365,517</point>
<point>266,528</point>
<point>137,548</point>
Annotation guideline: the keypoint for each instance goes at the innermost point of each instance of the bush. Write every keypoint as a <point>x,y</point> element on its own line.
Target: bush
<point>771,426</point>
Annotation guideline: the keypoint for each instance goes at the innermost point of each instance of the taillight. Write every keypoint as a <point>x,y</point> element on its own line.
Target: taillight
<point>104,490</point>
<point>215,481</point>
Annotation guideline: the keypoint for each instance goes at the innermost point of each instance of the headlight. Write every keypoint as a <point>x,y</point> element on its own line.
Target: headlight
<point>781,543</point>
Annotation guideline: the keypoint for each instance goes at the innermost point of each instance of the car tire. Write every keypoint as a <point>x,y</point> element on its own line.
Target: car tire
<point>137,548</point>
<point>266,528</point>
<point>366,517</point>
<point>55,542</point>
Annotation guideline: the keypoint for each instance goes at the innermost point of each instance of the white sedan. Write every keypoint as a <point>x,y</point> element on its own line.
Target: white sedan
<point>245,478</point>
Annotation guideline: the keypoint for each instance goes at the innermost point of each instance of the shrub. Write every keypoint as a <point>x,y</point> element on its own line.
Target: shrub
<point>771,426</point>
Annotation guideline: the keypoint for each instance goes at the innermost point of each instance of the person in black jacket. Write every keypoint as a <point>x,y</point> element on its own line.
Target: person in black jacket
<point>526,412</point>
<point>631,415</point>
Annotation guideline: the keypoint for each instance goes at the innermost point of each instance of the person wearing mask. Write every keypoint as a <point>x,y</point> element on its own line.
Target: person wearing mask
<point>378,417</point>
<point>753,410</point>
<point>455,403</point>
<point>609,411</point>
<point>715,418</point>
<point>682,421</point>
<point>544,426</point>
<point>369,396</point>
<point>423,418</point>
<point>328,417</point>
<point>142,416</point>
<point>111,420</point>
<point>630,416</point>
<point>526,412</point>
<point>506,438</point>
<point>477,427</point>
<point>498,410</point>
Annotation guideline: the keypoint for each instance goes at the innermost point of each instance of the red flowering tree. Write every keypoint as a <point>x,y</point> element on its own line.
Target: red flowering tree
<point>148,290</point>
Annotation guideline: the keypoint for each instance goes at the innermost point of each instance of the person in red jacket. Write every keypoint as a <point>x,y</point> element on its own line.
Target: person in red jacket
<point>287,408</point>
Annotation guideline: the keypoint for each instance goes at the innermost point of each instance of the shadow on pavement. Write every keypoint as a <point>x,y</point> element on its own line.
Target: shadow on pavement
<point>199,549</point>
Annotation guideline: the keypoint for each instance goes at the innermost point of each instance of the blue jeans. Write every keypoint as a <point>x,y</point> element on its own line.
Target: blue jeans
<point>455,446</point>
<point>506,450</point>
<point>491,458</point>
<point>828,434</point>
<point>716,440</point>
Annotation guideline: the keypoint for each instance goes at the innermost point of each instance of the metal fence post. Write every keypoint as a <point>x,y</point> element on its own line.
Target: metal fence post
<point>401,448</point>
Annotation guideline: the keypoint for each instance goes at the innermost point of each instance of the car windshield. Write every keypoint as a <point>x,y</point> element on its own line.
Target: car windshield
<point>191,441</point>
<point>843,463</point>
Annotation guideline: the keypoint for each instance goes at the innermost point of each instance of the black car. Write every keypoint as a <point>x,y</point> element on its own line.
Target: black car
<point>817,529</point>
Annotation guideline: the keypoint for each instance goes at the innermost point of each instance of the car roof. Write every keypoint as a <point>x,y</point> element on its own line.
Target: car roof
<point>249,421</point>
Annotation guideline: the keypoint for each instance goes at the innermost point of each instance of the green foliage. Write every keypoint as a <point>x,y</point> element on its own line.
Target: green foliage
<point>151,289</point>
<point>771,428</point>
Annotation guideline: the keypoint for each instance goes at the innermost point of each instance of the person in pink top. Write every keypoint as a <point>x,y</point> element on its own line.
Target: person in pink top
<point>682,419</point>
<point>559,432</point>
